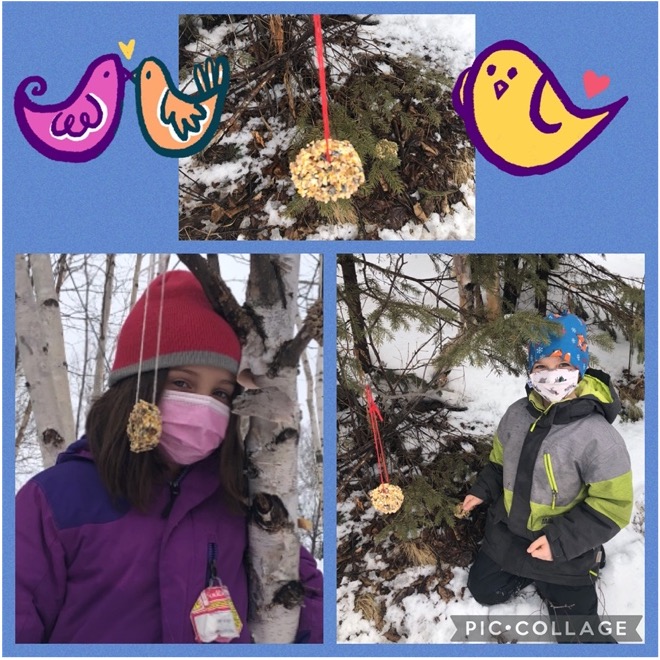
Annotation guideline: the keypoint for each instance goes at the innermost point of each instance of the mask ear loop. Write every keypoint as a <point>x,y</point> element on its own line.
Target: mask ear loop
<point>144,423</point>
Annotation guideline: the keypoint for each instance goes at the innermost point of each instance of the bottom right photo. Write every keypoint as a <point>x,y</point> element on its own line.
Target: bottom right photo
<point>490,448</point>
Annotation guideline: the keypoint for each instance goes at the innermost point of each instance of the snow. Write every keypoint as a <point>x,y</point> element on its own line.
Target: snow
<point>460,225</point>
<point>445,41</point>
<point>444,38</point>
<point>424,617</point>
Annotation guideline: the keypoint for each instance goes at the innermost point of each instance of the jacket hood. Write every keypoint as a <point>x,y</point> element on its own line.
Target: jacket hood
<point>595,394</point>
<point>78,450</point>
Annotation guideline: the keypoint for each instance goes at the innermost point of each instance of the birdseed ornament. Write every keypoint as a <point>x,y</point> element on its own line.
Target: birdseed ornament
<point>145,423</point>
<point>144,426</point>
<point>327,179</point>
<point>386,150</point>
<point>386,498</point>
<point>326,170</point>
<point>460,512</point>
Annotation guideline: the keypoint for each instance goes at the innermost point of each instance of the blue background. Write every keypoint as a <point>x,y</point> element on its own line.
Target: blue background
<point>605,200</point>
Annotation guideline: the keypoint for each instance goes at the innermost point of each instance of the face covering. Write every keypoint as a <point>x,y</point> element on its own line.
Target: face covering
<point>194,425</point>
<point>555,385</point>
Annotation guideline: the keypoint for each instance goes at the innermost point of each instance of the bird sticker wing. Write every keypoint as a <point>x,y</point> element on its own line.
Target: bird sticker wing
<point>184,117</point>
<point>545,108</point>
<point>209,75</point>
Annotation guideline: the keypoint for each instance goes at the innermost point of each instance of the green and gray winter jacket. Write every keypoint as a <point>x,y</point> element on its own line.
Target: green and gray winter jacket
<point>562,472</point>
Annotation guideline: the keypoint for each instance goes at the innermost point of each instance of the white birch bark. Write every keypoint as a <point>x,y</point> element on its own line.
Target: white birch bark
<point>41,347</point>
<point>318,384</point>
<point>82,387</point>
<point>135,285</point>
<point>108,286</point>
<point>163,261</point>
<point>311,395</point>
<point>318,441</point>
<point>272,446</point>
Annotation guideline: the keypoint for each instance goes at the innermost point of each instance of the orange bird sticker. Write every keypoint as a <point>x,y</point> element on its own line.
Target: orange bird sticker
<point>173,123</point>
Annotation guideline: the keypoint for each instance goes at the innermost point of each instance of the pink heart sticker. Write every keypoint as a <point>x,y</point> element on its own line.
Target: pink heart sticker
<point>594,84</point>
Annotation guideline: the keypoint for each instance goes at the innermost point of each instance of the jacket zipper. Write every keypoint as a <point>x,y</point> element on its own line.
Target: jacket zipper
<point>547,462</point>
<point>211,567</point>
<point>175,489</point>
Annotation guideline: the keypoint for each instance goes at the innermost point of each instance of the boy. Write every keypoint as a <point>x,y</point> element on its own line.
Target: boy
<point>558,482</point>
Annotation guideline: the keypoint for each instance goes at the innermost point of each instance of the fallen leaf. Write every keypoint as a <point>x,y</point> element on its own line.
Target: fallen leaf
<point>216,213</point>
<point>306,524</point>
<point>258,139</point>
<point>429,149</point>
<point>419,212</point>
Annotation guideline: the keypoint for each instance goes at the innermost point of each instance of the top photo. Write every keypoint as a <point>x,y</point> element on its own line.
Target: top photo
<point>332,128</point>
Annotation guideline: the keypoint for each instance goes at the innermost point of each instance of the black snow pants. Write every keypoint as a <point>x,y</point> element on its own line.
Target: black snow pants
<point>490,585</point>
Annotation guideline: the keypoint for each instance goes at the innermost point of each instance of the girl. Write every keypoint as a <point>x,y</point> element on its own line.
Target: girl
<point>117,541</point>
<point>558,482</point>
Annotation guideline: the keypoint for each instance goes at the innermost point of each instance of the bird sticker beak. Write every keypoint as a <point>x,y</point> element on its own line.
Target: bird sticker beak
<point>500,87</point>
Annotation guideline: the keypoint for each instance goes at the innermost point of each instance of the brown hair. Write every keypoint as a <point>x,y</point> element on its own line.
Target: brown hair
<point>130,476</point>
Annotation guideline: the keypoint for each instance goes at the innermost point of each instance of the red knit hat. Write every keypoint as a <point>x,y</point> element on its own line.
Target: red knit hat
<point>192,333</point>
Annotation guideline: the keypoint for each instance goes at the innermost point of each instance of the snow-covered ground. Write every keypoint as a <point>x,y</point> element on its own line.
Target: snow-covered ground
<point>424,618</point>
<point>448,41</point>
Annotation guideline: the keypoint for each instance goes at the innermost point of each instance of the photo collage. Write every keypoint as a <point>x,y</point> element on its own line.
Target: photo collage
<point>328,330</point>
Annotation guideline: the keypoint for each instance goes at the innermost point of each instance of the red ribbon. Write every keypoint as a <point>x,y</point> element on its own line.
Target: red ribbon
<point>324,95</point>
<point>375,416</point>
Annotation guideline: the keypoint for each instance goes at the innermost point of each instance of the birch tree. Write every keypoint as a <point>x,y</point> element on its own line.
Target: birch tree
<point>42,355</point>
<point>271,353</point>
<point>99,372</point>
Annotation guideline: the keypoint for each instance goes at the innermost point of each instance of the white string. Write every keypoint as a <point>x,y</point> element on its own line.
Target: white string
<point>144,326</point>
<point>160,325</point>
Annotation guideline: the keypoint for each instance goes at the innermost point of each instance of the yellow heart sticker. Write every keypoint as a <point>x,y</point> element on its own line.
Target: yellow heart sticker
<point>127,49</point>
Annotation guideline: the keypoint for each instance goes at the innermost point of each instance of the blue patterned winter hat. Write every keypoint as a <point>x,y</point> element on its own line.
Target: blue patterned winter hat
<point>571,344</point>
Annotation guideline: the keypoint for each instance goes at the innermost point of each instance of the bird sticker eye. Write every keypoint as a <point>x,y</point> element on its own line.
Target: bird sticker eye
<point>512,73</point>
<point>106,74</point>
<point>490,70</point>
<point>147,75</point>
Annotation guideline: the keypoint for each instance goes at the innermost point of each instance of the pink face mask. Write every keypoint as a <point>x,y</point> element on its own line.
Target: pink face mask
<point>194,425</point>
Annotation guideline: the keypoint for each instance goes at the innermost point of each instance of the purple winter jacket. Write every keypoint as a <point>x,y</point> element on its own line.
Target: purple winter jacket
<point>91,572</point>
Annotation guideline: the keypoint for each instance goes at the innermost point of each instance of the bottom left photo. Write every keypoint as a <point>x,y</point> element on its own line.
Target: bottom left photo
<point>168,449</point>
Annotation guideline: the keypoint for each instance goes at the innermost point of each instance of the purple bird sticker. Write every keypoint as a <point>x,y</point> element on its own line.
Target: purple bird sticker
<point>518,115</point>
<point>81,127</point>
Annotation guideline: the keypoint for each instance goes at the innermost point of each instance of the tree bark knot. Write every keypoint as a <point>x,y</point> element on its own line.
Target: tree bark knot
<point>52,437</point>
<point>269,513</point>
<point>290,595</point>
<point>287,434</point>
<point>291,350</point>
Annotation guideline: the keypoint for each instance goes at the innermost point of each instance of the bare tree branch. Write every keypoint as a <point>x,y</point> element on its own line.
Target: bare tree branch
<point>220,296</point>
<point>291,351</point>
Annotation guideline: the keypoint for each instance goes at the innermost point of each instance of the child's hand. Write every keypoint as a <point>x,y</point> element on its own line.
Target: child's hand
<point>470,502</point>
<point>541,549</point>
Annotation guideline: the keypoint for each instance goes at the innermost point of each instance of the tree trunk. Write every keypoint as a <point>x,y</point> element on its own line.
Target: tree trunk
<point>103,326</point>
<point>356,319</point>
<point>41,347</point>
<point>511,289</point>
<point>271,446</point>
<point>493,295</point>
<point>465,288</point>
<point>269,367</point>
<point>135,285</point>
<point>545,265</point>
